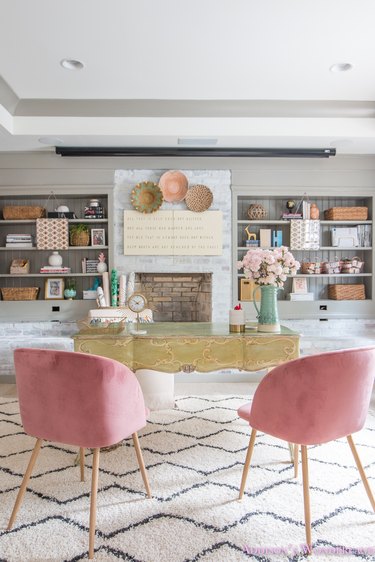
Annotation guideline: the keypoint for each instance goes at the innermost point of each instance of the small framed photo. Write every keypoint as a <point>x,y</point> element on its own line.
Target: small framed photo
<point>54,288</point>
<point>97,237</point>
<point>300,285</point>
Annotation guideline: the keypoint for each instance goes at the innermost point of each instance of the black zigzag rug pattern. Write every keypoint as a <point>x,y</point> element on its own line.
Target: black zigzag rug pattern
<point>194,455</point>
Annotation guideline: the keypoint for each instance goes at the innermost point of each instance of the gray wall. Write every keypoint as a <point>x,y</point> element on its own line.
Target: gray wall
<point>47,169</point>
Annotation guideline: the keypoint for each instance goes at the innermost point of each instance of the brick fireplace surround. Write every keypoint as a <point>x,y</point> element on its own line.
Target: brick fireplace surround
<point>177,297</point>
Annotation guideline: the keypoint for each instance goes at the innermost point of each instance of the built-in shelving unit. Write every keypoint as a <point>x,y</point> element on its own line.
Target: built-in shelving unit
<point>275,204</point>
<point>76,199</point>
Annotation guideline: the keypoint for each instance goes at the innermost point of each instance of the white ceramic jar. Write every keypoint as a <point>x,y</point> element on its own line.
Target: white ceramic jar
<point>55,259</point>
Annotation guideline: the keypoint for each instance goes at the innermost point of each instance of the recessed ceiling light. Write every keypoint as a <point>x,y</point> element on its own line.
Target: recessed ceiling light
<point>52,141</point>
<point>197,141</point>
<point>341,67</point>
<point>71,64</point>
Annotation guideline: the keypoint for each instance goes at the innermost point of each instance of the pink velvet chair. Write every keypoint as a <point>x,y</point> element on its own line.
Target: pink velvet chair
<point>77,399</point>
<point>310,401</point>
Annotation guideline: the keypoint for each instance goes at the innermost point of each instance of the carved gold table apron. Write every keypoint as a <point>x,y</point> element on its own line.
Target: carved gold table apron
<point>172,347</point>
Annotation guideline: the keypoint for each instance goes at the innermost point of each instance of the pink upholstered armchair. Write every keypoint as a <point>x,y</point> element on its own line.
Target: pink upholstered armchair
<point>310,401</point>
<point>77,399</point>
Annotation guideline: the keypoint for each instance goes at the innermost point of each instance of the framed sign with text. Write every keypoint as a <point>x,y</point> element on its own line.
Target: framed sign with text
<point>173,233</point>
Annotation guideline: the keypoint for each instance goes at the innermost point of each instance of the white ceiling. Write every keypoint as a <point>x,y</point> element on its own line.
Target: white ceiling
<point>248,73</point>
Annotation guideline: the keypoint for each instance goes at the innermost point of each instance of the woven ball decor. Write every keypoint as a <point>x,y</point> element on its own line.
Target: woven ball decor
<point>256,211</point>
<point>199,198</point>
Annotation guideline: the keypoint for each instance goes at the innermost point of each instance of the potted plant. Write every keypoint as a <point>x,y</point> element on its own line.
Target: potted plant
<point>79,235</point>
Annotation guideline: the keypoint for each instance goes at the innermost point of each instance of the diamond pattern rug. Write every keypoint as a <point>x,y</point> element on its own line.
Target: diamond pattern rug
<point>194,455</point>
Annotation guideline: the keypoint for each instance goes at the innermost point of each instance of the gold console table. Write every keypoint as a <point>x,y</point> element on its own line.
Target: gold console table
<point>172,347</point>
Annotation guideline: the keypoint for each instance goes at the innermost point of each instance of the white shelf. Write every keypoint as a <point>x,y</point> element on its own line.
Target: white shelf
<point>22,276</point>
<point>33,221</point>
<point>273,199</point>
<point>74,248</point>
<point>330,248</point>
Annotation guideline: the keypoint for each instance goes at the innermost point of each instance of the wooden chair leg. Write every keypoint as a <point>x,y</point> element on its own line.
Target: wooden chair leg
<point>25,480</point>
<point>247,462</point>
<point>94,491</point>
<point>82,463</point>
<point>306,495</point>
<point>141,464</point>
<point>361,471</point>
<point>295,460</point>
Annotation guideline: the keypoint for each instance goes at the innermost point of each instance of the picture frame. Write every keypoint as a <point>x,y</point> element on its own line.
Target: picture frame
<point>54,288</point>
<point>299,285</point>
<point>98,237</point>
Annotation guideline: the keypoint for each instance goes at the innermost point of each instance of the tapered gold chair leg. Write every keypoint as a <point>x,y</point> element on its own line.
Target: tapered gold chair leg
<point>82,463</point>
<point>247,462</point>
<point>94,491</point>
<point>141,464</point>
<point>361,471</point>
<point>22,490</point>
<point>295,460</point>
<point>306,495</point>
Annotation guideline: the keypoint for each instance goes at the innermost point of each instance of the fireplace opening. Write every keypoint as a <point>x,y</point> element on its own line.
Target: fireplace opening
<point>177,297</point>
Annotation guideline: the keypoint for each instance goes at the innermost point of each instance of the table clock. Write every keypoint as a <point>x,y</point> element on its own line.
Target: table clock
<point>137,303</point>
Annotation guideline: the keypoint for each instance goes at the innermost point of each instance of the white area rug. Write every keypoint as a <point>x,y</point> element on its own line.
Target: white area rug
<point>194,455</point>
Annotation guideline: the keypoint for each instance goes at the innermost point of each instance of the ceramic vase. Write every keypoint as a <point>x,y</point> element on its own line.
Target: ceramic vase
<point>268,318</point>
<point>101,267</point>
<point>70,294</point>
<point>55,259</point>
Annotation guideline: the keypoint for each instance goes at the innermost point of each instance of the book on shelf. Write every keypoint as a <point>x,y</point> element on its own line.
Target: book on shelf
<point>52,269</point>
<point>301,296</point>
<point>19,245</point>
<point>290,216</point>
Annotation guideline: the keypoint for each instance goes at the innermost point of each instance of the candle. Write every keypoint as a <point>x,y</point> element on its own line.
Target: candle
<point>106,288</point>
<point>122,291</point>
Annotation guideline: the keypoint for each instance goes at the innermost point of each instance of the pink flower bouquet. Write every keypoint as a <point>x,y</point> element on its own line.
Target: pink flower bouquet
<point>269,267</point>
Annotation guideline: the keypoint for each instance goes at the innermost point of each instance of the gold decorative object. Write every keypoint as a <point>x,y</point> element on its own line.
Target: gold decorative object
<point>256,211</point>
<point>199,198</point>
<point>146,197</point>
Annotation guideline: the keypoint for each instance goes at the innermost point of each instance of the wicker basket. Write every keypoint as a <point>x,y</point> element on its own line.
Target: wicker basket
<point>19,293</point>
<point>20,267</point>
<point>346,292</point>
<point>79,238</point>
<point>23,213</point>
<point>346,214</point>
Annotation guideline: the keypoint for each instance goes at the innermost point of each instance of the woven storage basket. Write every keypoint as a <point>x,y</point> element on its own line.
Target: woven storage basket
<point>79,238</point>
<point>346,292</point>
<point>346,214</point>
<point>20,293</point>
<point>20,267</point>
<point>23,213</point>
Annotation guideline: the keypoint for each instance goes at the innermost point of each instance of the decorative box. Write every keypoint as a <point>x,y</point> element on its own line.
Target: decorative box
<point>52,234</point>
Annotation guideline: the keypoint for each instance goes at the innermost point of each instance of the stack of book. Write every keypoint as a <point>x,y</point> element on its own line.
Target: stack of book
<point>290,216</point>
<point>301,296</point>
<point>89,266</point>
<point>19,241</point>
<point>55,269</point>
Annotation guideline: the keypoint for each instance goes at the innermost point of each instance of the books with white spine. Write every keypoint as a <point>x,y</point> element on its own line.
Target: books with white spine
<point>301,296</point>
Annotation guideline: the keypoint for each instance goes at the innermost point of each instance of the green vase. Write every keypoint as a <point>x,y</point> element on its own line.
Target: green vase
<point>268,318</point>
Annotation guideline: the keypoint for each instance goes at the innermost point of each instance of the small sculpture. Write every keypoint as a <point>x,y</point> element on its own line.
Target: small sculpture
<point>314,211</point>
<point>102,266</point>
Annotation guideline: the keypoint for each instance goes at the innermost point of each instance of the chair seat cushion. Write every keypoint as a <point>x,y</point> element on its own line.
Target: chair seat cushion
<point>244,411</point>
